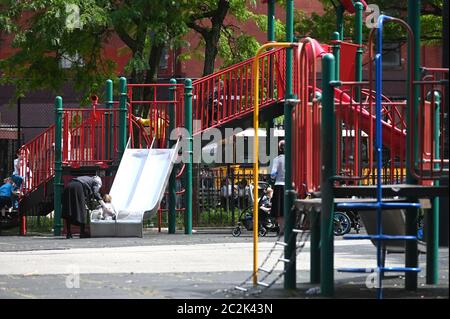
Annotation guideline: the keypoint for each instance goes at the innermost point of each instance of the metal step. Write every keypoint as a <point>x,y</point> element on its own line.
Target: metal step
<point>284,260</point>
<point>264,284</point>
<point>241,288</point>
<point>265,270</point>
<point>281,243</point>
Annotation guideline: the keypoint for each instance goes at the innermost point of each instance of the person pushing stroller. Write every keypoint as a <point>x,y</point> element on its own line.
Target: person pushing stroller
<point>265,221</point>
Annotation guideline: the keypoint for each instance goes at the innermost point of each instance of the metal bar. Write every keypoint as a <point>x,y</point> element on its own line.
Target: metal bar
<point>432,217</point>
<point>172,180</point>
<point>122,115</point>
<point>328,160</point>
<point>315,247</point>
<point>188,178</point>
<point>58,183</point>
<point>411,254</point>
<point>290,281</point>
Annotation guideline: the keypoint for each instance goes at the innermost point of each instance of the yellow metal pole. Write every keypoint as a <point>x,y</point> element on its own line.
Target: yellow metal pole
<point>256,146</point>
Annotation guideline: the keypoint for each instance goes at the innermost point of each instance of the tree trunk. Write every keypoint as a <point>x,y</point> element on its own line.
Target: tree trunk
<point>151,75</point>
<point>213,35</point>
<point>211,51</point>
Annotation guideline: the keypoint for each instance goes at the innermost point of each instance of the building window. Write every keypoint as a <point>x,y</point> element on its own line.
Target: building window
<point>392,57</point>
<point>68,61</point>
<point>164,61</point>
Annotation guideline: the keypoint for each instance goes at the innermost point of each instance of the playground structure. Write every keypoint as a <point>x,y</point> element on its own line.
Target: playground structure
<point>326,129</point>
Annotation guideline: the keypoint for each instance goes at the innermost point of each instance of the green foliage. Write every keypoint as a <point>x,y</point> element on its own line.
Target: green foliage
<point>49,35</point>
<point>235,49</point>
<point>219,36</point>
<point>322,26</point>
<point>46,33</point>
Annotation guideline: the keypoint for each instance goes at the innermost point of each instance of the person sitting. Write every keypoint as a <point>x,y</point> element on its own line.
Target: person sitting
<point>157,131</point>
<point>266,206</point>
<point>108,210</point>
<point>16,177</point>
<point>7,193</point>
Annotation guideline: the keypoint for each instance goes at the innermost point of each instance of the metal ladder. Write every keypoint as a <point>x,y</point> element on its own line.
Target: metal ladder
<point>379,205</point>
<point>267,270</point>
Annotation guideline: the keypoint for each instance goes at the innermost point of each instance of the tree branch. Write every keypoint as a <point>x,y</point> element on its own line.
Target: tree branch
<point>126,38</point>
<point>203,31</point>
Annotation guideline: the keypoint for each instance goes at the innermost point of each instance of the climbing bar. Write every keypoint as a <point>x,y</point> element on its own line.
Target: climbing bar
<point>377,205</point>
<point>379,237</point>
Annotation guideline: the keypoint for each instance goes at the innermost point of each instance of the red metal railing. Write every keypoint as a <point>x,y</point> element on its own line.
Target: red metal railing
<point>153,99</point>
<point>306,121</point>
<point>86,136</point>
<point>89,135</point>
<point>227,94</point>
<point>37,160</point>
<point>428,158</point>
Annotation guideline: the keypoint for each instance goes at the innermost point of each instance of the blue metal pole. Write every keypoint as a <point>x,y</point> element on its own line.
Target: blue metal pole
<point>378,65</point>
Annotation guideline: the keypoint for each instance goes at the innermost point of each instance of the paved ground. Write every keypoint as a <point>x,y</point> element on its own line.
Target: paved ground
<point>205,265</point>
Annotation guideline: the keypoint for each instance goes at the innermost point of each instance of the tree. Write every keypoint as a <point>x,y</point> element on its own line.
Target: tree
<point>147,28</point>
<point>322,26</point>
<point>75,31</point>
<point>219,36</point>
<point>49,32</point>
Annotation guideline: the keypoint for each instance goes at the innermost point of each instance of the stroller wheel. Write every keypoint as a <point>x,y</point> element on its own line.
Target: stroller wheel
<point>236,231</point>
<point>262,231</point>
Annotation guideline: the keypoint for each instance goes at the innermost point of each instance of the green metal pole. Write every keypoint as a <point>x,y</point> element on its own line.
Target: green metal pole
<point>340,21</point>
<point>271,20</point>
<point>315,247</point>
<point>290,281</point>
<point>358,64</point>
<point>188,177</point>
<point>328,158</point>
<point>109,119</point>
<point>337,54</point>
<point>411,254</point>
<point>122,116</point>
<point>433,216</point>
<point>58,184</point>
<point>172,182</point>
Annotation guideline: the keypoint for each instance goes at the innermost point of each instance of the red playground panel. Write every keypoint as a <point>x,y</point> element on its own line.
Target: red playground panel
<point>348,5</point>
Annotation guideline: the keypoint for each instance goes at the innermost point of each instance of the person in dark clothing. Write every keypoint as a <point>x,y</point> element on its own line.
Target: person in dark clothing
<point>277,174</point>
<point>75,197</point>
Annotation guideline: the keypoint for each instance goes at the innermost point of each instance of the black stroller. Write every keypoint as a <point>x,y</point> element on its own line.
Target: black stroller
<point>265,224</point>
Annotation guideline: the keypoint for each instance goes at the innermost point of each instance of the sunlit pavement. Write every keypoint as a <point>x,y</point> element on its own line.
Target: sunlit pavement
<point>202,265</point>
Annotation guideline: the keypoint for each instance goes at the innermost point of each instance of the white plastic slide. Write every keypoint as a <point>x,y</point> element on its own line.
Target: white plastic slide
<point>137,190</point>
